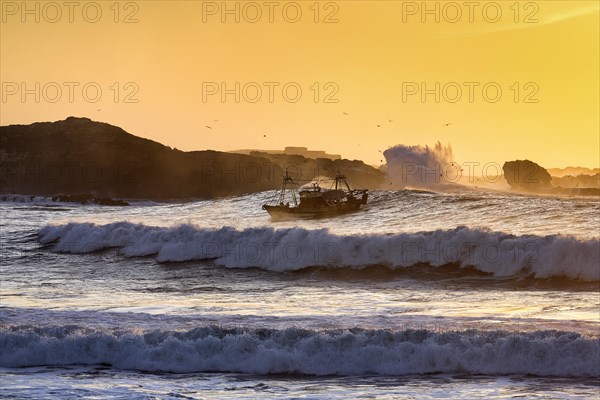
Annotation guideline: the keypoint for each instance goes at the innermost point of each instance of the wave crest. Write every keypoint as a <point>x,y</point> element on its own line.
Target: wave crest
<point>303,351</point>
<point>288,249</point>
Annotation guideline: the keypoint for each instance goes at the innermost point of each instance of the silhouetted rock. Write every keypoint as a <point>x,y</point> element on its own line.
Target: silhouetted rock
<point>573,171</point>
<point>527,176</point>
<point>79,156</point>
<point>578,181</point>
<point>359,174</point>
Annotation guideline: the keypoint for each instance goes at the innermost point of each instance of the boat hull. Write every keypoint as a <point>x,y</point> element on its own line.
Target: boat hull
<point>304,212</point>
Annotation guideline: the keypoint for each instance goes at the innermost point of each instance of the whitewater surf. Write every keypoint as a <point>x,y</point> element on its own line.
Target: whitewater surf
<point>437,291</point>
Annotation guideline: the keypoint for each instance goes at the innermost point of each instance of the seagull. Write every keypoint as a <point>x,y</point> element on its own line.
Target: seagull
<point>380,151</point>
<point>391,120</point>
<point>447,124</point>
<point>209,127</point>
<point>345,113</point>
<point>264,135</point>
<point>379,126</point>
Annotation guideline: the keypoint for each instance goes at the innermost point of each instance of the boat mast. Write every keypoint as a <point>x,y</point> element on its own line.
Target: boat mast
<point>342,180</point>
<point>288,180</point>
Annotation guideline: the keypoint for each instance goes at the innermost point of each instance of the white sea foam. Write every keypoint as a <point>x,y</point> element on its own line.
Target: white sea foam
<point>296,248</point>
<point>27,199</point>
<point>303,351</point>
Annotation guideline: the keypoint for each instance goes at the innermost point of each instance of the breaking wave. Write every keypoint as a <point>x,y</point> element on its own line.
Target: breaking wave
<point>287,249</point>
<point>420,166</point>
<point>303,351</point>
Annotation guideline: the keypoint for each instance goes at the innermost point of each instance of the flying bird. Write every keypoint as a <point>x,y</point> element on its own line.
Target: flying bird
<point>264,135</point>
<point>447,124</point>
<point>345,113</point>
<point>391,120</point>
<point>379,126</point>
<point>209,127</point>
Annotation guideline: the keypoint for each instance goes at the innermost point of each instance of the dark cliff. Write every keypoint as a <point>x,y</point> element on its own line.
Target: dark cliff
<point>78,156</point>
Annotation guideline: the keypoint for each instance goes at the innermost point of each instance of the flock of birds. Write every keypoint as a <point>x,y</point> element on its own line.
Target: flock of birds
<point>344,113</point>
<point>444,125</point>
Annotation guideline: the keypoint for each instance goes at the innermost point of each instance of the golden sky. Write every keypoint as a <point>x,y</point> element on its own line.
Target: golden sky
<point>370,61</point>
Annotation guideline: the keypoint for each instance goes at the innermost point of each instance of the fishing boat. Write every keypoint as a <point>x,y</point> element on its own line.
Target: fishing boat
<point>313,201</point>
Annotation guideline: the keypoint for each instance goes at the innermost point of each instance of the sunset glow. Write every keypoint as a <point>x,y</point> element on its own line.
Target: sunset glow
<point>358,67</point>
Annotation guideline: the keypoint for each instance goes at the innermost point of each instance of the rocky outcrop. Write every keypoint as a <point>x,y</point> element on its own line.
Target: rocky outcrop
<point>573,171</point>
<point>359,174</point>
<point>82,160</point>
<point>79,156</point>
<point>578,181</point>
<point>526,176</point>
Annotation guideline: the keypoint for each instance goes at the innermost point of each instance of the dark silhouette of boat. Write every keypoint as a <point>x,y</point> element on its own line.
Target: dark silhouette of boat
<point>312,201</point>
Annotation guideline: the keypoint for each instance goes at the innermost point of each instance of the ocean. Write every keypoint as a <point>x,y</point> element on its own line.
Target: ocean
<point>467,294</point>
